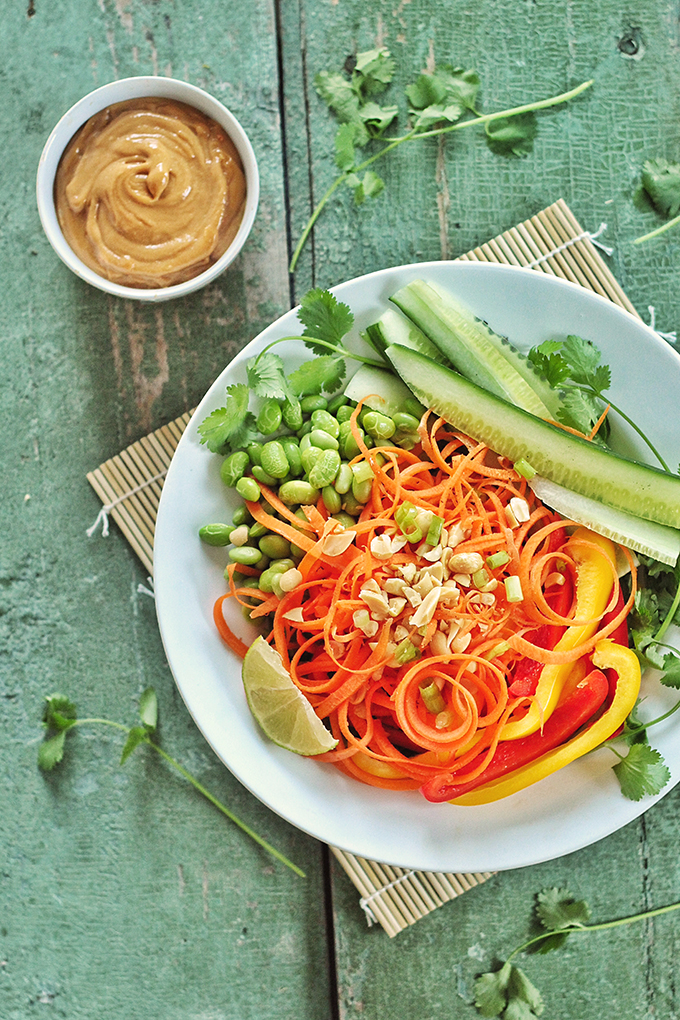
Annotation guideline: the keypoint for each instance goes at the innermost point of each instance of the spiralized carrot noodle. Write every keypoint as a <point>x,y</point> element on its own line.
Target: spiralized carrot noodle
<point>405,638</point>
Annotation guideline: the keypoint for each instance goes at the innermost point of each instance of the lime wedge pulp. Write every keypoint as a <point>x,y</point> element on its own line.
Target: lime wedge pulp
<point>281,710</point>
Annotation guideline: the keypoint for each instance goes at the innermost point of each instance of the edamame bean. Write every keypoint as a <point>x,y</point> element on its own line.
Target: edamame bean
<point>304,430</point>
<point>269,417</point>
<point>245,554</point>
<point>362,491</point>
<point>313,402</point>
<point>344,518</point>
<point>274,546</point>
<point>274,460</point>
<point>254,451</point>
<point>379,425</point>
<point>296,552</point>
<point>291,448</point>
<point>248,489</point>
<point>344,413</point>
<point>414,407</point>
<point>351,506</point>
<point>309,457</point>
<point>324,469</point>
<point>261,475</point>
<point>256,531</point>
<point>343,479</point>
<point>265,581</point>
<point>233,467</point>
<point>326,422</point>
<point>324,440</point>
<point>281,565</point>
<point>216,534</point>
<point>332,500</point>
<point>298,491</point>
<point>336,402</point>
<point>405,422</point>
<point>291,412</point>
<point>347,443</point>
<point>241,515</point>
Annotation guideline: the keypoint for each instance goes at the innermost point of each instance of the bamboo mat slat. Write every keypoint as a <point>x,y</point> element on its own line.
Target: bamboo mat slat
<point>129,487</point>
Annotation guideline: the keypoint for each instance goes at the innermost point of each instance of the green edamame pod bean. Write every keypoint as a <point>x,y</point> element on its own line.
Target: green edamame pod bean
<point>306,441</point>
<point>233,467</point>
<point>405,422</point>
<point>261,475</point>
<point>351,506</point>
<point>379,425</point>
<point>302,432</point>
<point>269,417</point>
<point>274,460</point>
<point>313,402</point>
<point>324,469</point>
<point>336,402</point>
<point>291,413</point>
<point>309,457</point>
<point>406,440</point>
<point>265,581</point>
<point>298,491</point>
<point>414,407</point>
<point>324,440</point>
<point>248,489</point>
<point>332,500</point>
<point>326,422</point>
<point>296,552</point>
<point>254,451</point>
<point>344,413</point>
<point>344,518</point>
<point>282,565</point>
<point>257,530</point>
<point>291,448</point>
<point>245,554</point>
<point>274,546</point>
<point>347,442</point>
<point>362,490</point>
<point>343,479</point>
<point>241,515</point>
<point>216,534</point>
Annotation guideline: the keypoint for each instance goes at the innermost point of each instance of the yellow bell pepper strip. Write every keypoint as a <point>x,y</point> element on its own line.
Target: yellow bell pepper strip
<point>607,655</point>
<point>594,582</point>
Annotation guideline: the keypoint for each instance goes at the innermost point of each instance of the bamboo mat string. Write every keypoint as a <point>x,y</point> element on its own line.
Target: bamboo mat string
<point>129,487</point>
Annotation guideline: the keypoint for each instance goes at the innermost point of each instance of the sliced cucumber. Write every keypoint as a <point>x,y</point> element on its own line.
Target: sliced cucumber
<point>564,458</point>
<point>379,388</point>
<point>655,540</point>
<point>394,328</point>
<point>475,350</point>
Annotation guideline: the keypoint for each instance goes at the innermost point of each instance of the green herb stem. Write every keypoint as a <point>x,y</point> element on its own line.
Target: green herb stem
<point>339,350</point>
<point>576,929</point>
<point>636,428</point>
<point>659,230</point>
<point>669,616</point>
<point>485,118</point>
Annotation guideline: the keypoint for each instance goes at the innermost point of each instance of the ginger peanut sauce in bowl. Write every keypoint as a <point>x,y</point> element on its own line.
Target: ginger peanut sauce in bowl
<point>150,192</point>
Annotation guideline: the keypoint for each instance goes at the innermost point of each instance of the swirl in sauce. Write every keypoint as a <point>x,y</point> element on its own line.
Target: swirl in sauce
<point>150,192</point>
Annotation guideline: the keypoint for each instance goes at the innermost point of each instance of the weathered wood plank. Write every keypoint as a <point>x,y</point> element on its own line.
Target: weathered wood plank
<point>441,200</point>
<point>123,893</point>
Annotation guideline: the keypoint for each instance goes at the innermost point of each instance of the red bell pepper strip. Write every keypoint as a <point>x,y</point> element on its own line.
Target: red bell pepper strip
<point>527,671</point>
<point>584,701</point>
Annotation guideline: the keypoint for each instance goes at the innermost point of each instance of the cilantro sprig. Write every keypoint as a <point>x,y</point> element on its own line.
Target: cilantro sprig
<point>574,366</point>
<point>508,992</point>
<point>438,102</point>
<point>660,188</point>
<point>326,322</point>
<point>60,717</point>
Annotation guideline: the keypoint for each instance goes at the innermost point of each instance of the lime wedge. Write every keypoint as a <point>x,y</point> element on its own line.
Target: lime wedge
<point>278,706</point>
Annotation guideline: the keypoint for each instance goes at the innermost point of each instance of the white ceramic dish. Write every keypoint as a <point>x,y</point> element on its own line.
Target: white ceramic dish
<point>117,92</point>
<point>567,811</point>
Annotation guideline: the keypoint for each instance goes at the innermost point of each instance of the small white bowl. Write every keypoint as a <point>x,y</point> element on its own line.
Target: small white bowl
<point>116,92</point>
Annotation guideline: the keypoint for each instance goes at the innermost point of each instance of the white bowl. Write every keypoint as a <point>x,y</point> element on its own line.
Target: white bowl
<point>117,92</point>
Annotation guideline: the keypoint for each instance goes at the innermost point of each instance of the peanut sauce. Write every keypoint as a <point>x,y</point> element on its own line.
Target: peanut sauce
<point>150,192</point>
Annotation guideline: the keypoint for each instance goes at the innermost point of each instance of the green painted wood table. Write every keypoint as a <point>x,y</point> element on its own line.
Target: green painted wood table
<point>125,895</point>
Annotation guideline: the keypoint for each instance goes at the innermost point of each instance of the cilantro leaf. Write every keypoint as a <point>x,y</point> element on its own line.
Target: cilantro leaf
<point>584,358</point>
<point>345,139</point>
<point>443,95</point>
<point>324,318</point>
<point>377,118</point>
<point>369,186</point>
<point>661,182</point>
<point>491,991</point>
<point>524,999</point>
<point>59,713</point>
<point>549,362</point>
<point>512,136</point>
<point>136,735</point>
<point>342,98</point>
<point>557,909</point>
<point>634,729</point>
<point>374,70</point>
<point>671,671</point>
<point>507,992</point>
<point>148,709</point>
<point>579,410</point>
<point>642,772</point>
<point>325,372</point>
<point>224,426</point>
<point>266,376</point>
<point>51,751</point>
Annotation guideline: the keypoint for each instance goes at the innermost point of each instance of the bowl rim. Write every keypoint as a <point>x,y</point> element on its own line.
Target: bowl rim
<point>138,87</point>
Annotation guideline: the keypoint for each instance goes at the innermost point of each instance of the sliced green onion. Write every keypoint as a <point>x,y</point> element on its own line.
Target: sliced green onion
<point>432,698</point>
<point>498,649</point>
<point>363,472</point>
<point>513,589</point>
<point>497,559</point>
<point>405,651</point>
<point>524,468</point>
<point>480,578</point>
<point>405,516</point>
<point>435,530</point>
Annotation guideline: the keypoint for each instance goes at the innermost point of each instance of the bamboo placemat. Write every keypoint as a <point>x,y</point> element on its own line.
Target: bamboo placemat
<point>129,486</point>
